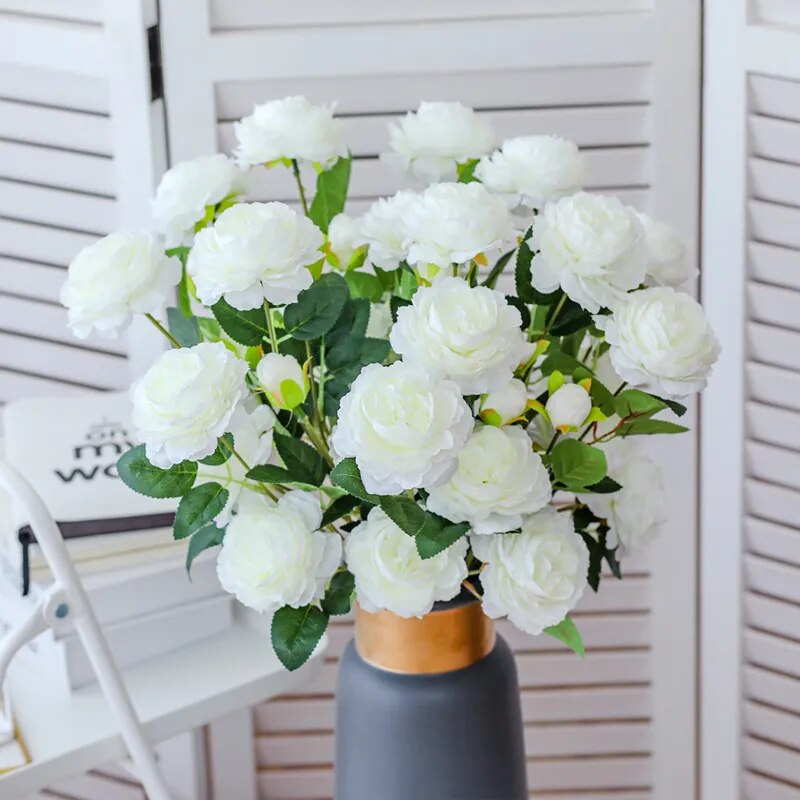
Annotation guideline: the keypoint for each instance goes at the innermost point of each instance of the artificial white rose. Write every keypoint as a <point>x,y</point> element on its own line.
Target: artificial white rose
<point>590,246</point>
<point>568,407</point>
<point>290,128</point>
<point>452,223</point>
<point>283,380</point>
<point>535,577</point>
<point>661,342</point>
<point>637,512</point>
<point>343,234</point>
<point>403,428</point>
<point>530,170</point>
<point>274,556</point>
<point>185,401</point>
<point>255,251</point>
<point>252,438</point>
<point>469,335</point>
<point>667,259</point>
<point>499,479</point>
<point>383,230</point>
<point>430,142</point>
<point>188,189</point>
<point>505,403</point>
<point>391,575</point>
<point>120,275</point>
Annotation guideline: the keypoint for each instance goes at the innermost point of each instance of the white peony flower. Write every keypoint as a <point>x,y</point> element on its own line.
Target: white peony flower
<point>274,556</point>
<point>667,259</point>
<point>453,222</point>
<point>568,406</point>
<point>255,251</point>
<point>403,428</point>
<point>638,511</point>
<point>391,575</point>
<point>283,380</point>
<point>498,480</point>
<point>107,282</point>
<point>188,189</point>
<point>469,335</point>
<point>589,246</point>
<point>661,341</point>
<point>504,404</point>
<point>430,142</point>
<point>343,234</point>
<point>535,577</point>
<point>290,128</point>
<point>252,438</point>
<point>530,170</point>
<point>185,401</point>
<point>384,232</point>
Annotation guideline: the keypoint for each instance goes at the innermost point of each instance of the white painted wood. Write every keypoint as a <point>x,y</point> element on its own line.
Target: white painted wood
<point>183,765</point>
<point>232,761</point>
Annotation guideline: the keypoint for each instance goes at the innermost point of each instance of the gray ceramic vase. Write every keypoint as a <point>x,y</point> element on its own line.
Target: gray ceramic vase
<point>429,710</point>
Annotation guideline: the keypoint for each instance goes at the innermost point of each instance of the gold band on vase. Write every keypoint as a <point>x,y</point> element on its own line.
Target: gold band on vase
<point>442,641</point>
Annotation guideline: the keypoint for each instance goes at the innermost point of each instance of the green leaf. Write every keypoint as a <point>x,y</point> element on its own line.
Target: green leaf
<point>338,508</point>
<point>347,475</point>
<point>222,453</point>
<point>466,170</point>
<point>205,538</point>
<point>677,408</point>
<point>601,396</point>
<point>363,284</point>
<point>596,544</point>
<point>140,475</point>
<point>346,338</point>
<point>571,318</point>
<point>405,513</point>
<point>645,426</point>
<point>605,486</point>
<point>185,330</point>
<point>270,473</point>
<point>523,277</point>
<point>567,632</point>
<point>210,329</point>
<point>576,464</point>
<point>374,351</point>
<point>437,535</point>
<point>296,632</point>
<point>303,462</point>
<point>197,508</point>
<point>407,284</point>
<point>339,595</point>
<point>524,311</point>
<point>633,401</point>
<point>395,304</point>
<point>317,308</point>
<point>245,327</point>
<point>331,193</point>
<point>497,269</point>
<point>561,361</point>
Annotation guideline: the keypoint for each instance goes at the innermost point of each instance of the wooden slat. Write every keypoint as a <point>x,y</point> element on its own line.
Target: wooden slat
<point>772,652</point>
<point>771,723</point>
<point>771,502</point>
<point>60,168</point>
<point>382,93</point>
<point>66,209</point>
<point>772,541</point>
<point>50,88</point>
<point>772,615</point>
<point>772,688</point>
<point>64,362</point>
<point>15,386</point>
<point>781,12</point>
<point>772,385</point>
<point>773,578</point>
<point>771,345</point>
<point>40,243</point>
<point>778,762</point>
<point>74,10</point>
<point>46,321</point>
<point>774,304</point>
<point>760,787</point>
<point>773,223</point>
<point>255,14</point>
<point>773,464</point>
<point>775,181</point>
<point>29,279</point>
<point>94,785</point>
<point>773,264</point>
<point>775,97</point>
<point>590,773</point>
<point>55,127</point>
<point>776,139</point>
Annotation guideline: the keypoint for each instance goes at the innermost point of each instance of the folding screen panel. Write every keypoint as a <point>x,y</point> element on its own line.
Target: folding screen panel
<point>621,77</point>
<point>751,416</point>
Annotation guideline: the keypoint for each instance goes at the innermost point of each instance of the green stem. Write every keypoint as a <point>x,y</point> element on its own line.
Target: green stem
<point>552,442</point>
<point>273,339</point>
<point>556,312</point>
<point>300,189</point>
<point>317,439</point>
<point>232,450</point>
<point>314,410</point>
<point>173,341</point>
<point>321,397</point>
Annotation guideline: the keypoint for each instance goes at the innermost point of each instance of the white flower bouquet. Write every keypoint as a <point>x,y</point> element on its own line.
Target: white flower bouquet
<point>352,409</point>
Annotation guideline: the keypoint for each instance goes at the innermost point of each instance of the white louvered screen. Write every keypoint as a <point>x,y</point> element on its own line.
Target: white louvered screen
<point>621,77</point>
<point>78,155</point>
<point>751,420</point>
